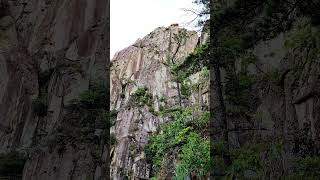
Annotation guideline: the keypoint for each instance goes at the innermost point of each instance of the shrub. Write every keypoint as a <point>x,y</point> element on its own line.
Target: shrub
<point>194,157</point>
<point>162,99</point>
<point>87,114</point>
<point>202,121</point>
<point>95,97</point>
<point>192,147</point>
<point>113,139</point>
<point>185,90</point>
<point>306,168</point>
<point>196,60</point>
<point>142,97</point>
<point>246,158</point>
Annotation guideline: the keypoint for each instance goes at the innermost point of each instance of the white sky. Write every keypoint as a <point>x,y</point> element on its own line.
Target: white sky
<point>133,19</point>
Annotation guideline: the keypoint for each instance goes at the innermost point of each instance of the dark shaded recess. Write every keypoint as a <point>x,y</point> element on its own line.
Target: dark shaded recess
<point>43,78</point>
<point>11,164</point>
<point>3,9</point>
<point>311,8</point>
<point>40,106</point>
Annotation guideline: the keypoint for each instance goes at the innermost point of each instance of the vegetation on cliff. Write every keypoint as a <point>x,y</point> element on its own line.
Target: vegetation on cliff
<point>236,28</point>
<point>184,138</point>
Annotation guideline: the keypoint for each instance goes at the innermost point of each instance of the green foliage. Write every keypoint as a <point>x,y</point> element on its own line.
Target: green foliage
<point>272,76</point>
<point>203,79</point>
<point>40,107</point>
<point>195,61</point>
<point>306,168</point>
<point>85,115</point>
<point>193,157</point>
<point>95,97</point>
<point>181,37</point>
<point>161,108</point>
<point>171,111</point>
<point>142,97</point>
<point>113,139</point>
<point>246,59</point>
<point>249,157</point>
<point>300,34</point>
<point>191,64</point>
<point>11,164</point>
<point>233,44</point>
<point>237,91</point>
<point>141,91</point>
<point>205,73</point>
<point>180,134</point>
<point>162,99</point>
<point>246,158</point>
<point>178,76</point>
<point>185,89</point>
<point>152,111</point>
<point>201,122</point>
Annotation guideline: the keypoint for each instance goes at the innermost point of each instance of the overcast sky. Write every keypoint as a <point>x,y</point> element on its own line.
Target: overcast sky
<point>133,19</point>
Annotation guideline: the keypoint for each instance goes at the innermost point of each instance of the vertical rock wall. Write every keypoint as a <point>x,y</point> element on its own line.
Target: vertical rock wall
<point>144,64</point>
<point>53,51</point>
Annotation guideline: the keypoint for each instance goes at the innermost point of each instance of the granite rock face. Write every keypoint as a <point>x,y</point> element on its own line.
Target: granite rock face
<point>144,64</point>
<point>53,51</point>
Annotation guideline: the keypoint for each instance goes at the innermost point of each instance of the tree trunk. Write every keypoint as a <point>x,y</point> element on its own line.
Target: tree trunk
<point>218,118</point>
<point>179,94</point>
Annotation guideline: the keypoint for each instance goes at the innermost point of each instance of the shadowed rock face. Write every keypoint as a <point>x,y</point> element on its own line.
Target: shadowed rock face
<point>54,50</point>
<point>144,64</point>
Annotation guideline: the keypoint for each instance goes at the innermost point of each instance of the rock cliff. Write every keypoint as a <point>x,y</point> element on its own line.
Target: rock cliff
<point>270,92</point>
<point>143,68</point>
<point>54,119</point>
<point>51,52</point>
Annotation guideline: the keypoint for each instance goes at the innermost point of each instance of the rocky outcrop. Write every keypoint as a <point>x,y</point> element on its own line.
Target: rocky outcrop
<point>50,53</point>
<point>145,65</point>
<point>283,98</point>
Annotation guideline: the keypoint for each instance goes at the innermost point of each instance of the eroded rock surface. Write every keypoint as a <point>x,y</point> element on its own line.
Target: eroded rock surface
<point>50,50</point>
<point>145,64</point>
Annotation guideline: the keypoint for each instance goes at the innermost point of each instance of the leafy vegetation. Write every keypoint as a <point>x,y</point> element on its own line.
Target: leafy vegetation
<point>142,97</point>
<point>195,61</point>
<point>306,168</point>
<point>203,80</point>
<point>94,98</point>
<point>113,117</point>
<point>182,133</point>
<point>246,158</point>
<point>85,115</point>
<point>194,157</point>
<point>113,139</point>
<point>238,90</point>
<point>162,99</point>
